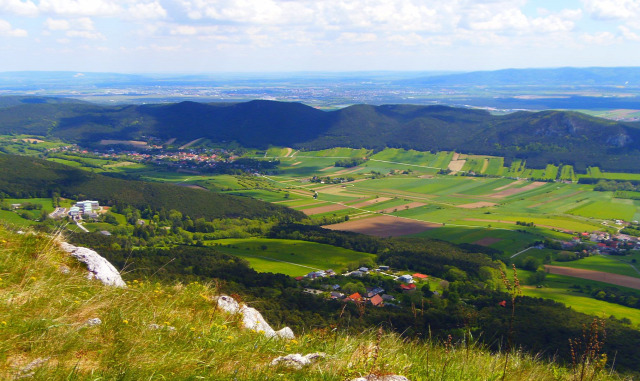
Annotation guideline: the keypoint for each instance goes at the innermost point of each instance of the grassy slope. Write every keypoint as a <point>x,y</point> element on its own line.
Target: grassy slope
<point>44,312</point>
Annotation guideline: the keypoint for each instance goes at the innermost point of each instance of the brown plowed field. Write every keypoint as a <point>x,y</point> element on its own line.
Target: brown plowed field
<point>384,226</point>
<point>620,280</point>
<point>513,184</point>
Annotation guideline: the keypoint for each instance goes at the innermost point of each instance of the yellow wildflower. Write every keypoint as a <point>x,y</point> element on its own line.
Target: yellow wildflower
<point>125,321</point>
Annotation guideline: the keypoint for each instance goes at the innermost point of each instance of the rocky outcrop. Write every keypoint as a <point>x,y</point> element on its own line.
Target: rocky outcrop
<point>98,267</point>
<point>296,360</point>
<point>251,318</point>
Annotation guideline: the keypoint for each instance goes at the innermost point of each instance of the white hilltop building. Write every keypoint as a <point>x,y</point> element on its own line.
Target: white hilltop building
<point>86,209</point>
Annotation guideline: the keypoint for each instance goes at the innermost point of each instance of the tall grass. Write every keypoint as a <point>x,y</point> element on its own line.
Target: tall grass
<point>173,331</point>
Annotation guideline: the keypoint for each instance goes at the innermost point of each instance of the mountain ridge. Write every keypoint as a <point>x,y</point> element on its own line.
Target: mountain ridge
<point>541,138</point>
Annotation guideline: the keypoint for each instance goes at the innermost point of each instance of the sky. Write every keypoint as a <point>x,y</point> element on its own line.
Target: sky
<point>206,36</point>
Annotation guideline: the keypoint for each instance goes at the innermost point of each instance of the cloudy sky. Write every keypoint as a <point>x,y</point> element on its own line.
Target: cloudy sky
<point>187,36</point>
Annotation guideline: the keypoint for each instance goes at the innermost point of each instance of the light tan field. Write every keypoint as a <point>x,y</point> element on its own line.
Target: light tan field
<point>475,205</point>
<point>511,191</point>
<point>296,163</point>
<point>402,207</point>
<point>456,165</point>
<point>170,141</point>
<point>384,226</point>
<point>32,140</point>
<point>620,280</point>
<point>370,202</point>
<point>137,143</point>
<point>323,209</point>
<point>289,152</point>
<point>327,168</point>
<point>120,164</point>
<point>513,184</point>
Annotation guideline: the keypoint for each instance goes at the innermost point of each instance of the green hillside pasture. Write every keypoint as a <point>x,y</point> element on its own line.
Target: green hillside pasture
<point>338,152</point>
<point>496,166</point>
<point>596,173</point>
<point>516,168</point>
<point>14,218</point>
<point>551,172</point>
<point>262,194</point>
<point>398,155</point>
<point>567,173</point>
<point>65,162</point>
<point>277,152</point>
<point>475,164</point>
<point>508,241</point>
<point>607,264</point>
<point>585,304</point>
<point>302,257</point>
<point>612,209</point>
<point>442,159</point>
<point>307,166</point>
<point>47,203</point>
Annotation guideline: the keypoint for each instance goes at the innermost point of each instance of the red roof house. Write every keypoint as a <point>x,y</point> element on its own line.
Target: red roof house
<point>420,276</point>
<point>408,287</point>
<point>376,300</point>
<point>354,297</point>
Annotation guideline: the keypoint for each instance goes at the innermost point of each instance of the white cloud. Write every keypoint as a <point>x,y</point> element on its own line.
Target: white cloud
<point>143,11</point>
<point>357,37</point>
<point>613,9</point>
<point>90,35</point>
<point>18,7</point>
<point>52,24</point>
<point>601,38</point>
<point>184,30</point>
<point>80,7</point>
<point>7,30</point>
<point>628,34</point>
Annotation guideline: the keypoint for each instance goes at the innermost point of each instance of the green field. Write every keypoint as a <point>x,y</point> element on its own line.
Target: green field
<point>294,258</point>
<point>604,263</point>
<point>610,209</point>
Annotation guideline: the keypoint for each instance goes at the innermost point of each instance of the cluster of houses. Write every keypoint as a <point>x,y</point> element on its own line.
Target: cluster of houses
<point>604,242</point>
<point>375,296</point>
<point>84,209</point>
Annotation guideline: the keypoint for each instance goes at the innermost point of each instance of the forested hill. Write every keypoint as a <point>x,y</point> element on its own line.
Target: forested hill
<point>540,137</point>
<point>26,177</point>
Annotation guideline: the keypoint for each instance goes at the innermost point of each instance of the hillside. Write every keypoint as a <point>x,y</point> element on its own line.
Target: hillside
<point>48,330</point>
<point>540,138</point>
<point>26,177</point>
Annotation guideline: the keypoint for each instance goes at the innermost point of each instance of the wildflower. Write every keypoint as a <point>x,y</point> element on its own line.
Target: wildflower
<point>33,278</point>
<point>166,323</point>
<point>125,321</point>
<point>503,303</point>
<point>193,329</point>
<point>4,323</point>
<point>294,341</point>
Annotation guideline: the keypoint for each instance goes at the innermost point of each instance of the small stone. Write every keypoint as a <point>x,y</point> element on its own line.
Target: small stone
<point>64,269</point>
<point>296,360</point>
<point>154,327</point>
<point>93,322</point>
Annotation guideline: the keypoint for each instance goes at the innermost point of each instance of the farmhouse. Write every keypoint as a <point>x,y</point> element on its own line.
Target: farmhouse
<point>376,301</point>
<point>405,278</point>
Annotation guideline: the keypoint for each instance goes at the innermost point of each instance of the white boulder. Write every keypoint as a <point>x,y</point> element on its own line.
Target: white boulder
<point>251,318</point>
<point>296,360</point>
<point>98,267</point>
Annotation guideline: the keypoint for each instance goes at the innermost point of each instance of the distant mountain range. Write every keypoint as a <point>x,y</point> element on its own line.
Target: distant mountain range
<point>566,76</point>
<point>540,137</point>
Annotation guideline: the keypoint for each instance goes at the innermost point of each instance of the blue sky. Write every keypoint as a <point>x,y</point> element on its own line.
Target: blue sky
<point>197,36</point>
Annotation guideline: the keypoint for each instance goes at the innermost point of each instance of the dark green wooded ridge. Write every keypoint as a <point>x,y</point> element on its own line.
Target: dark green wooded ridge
<point>27,177</point>
<point>559,137</point>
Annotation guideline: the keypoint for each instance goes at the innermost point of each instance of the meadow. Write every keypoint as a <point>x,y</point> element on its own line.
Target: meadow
<point>290,257</point>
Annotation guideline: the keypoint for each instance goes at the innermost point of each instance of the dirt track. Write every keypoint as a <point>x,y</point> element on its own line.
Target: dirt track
<point>475,205</point>
<point>511,191</point>
<point>384,226</point>
<point>620,280</point>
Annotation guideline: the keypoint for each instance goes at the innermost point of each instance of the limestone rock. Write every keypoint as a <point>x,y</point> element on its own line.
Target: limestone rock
<point>296,360</point>
<point>93,322</point>
<point>251,318</point>
<point>98,267</point>
<point>387,377</point>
